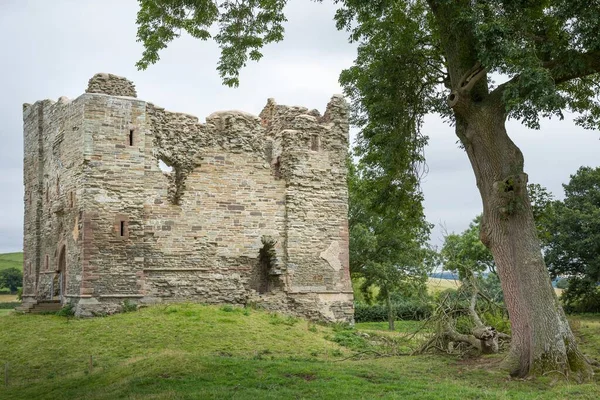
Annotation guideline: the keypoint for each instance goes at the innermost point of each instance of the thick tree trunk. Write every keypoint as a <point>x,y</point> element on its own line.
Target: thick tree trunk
<point>542,340</point>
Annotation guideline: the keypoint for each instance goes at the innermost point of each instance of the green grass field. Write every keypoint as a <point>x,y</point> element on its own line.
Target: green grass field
<point>205,352</point>
<point>11,260</point>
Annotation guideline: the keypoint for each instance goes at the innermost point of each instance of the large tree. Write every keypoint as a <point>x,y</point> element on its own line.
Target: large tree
<point>445,56</point>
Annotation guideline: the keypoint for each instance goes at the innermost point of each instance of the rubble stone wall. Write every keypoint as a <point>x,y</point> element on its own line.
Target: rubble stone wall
<point>112,85</point>
<point>54,182</point>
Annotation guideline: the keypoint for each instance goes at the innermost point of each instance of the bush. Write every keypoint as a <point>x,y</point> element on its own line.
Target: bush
<point>9,305</point>
<point>129,306</point>
<point>562,283</point>
<point>11,278</point>
<point>412,309</point>
<point>68,310</point>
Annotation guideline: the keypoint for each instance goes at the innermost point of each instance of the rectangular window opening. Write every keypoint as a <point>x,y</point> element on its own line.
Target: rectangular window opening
<point>131,137</point>
<point>122,227</point>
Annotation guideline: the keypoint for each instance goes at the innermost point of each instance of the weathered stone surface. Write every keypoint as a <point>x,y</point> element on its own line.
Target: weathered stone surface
<point>129,231</point>
<point>112,85</point>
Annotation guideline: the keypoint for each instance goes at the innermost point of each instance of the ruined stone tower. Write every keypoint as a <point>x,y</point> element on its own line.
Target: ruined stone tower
<point>244,209</point>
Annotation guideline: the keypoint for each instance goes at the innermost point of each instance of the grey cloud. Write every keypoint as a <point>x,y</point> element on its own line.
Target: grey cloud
<point>51,49</point>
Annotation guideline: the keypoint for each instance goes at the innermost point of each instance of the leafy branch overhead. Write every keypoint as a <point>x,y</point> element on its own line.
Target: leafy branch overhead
<point>244,27</point>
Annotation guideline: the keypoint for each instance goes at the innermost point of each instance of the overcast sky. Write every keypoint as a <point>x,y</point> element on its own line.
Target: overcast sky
<point>51,49</point>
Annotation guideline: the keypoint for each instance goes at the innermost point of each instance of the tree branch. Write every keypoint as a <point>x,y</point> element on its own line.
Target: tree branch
<point>459,98</point>
<point>587,64</point>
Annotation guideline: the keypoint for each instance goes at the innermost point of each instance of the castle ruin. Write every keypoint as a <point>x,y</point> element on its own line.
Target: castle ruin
<point>128,202</point>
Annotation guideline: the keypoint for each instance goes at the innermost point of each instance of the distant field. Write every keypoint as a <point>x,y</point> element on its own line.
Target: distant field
<point>437,284</point>
<point>11,260</point>
<point>7,298</point>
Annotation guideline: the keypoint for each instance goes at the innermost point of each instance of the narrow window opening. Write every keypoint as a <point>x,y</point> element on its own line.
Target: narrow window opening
<point>315,143</point>
<point>47,192</point>
<point>57,185</point>
<point>71,199</point>
<point>47,263</point>
<point>122,229</point>
<point>131,137</point>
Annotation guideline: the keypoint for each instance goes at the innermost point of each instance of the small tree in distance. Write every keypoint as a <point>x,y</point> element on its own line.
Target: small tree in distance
<point>388,236</point>
<point>11,278</point>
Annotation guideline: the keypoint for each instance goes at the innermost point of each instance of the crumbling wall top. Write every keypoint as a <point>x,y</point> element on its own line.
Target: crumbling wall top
<point>112,85</point>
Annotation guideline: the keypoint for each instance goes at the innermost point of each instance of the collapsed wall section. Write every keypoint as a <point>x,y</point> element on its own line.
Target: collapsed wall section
<point>205,218</point>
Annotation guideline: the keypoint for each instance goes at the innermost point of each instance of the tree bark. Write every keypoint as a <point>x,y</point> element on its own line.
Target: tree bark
<point>542,340</point>
<point>391,316</point>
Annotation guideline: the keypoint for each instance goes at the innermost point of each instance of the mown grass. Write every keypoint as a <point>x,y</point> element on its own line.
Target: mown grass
<point>204,352</point>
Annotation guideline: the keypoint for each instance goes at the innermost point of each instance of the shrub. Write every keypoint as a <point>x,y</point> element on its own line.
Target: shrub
<point>9,305</point>
<point>11,278</point>
<point>129,306</point>
<point>67,311</point>
<point>412,309</point>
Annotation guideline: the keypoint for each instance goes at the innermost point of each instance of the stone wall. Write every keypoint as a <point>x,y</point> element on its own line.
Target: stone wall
<point>53,187</point>
<point>195,230</point>
<point>112,85</point>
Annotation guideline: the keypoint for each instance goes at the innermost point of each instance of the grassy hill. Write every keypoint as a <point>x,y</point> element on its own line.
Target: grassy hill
<point>11,260</point>
<point>185,351</point>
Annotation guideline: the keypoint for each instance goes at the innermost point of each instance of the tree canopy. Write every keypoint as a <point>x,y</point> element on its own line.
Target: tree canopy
<point>388,237</point>
<point>11,278</point>
<point>573,248</point>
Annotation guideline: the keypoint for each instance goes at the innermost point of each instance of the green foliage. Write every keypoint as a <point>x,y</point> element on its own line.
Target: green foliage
<point>244,28</point>
<point>387,236</point>
<point>412,309</point>
<point>573,247</point>
<point>278,319</point>
<point>12,278</point>
<point>66,311</point>
<point>9,305</point>
<point>465,254</point>
<point>562,283</point>
<point>349,338</point>
<point>541,206</point>
<point>128,306</point>
<point>227,308</point>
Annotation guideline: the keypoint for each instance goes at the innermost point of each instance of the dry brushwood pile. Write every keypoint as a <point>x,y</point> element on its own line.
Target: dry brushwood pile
<point>459,327</point>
